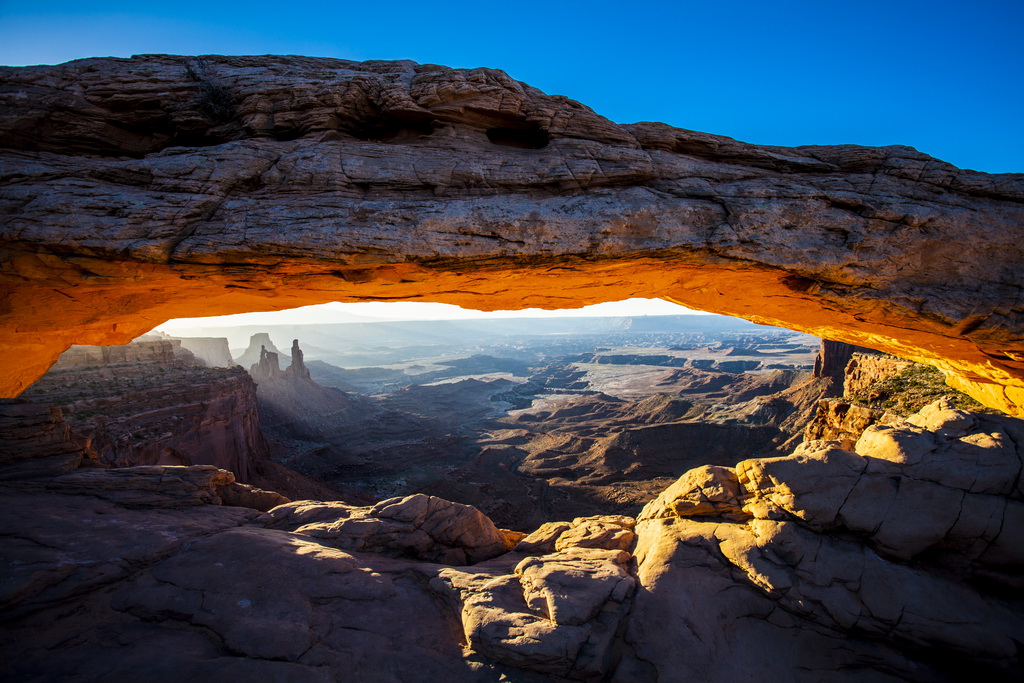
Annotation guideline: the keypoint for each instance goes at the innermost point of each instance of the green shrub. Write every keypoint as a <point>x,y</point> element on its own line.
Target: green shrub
<point>911,390</point>
<point>213,95</point>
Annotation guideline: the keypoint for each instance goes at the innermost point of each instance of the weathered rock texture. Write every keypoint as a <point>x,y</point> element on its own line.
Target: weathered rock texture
<point>898,561</point>
<point>137,190</point>
<point>81,356</point>
<point>36,441</point>
<point>864,371</point>
<point>831,363</point>
<point>890,562</point>
<point>143,404</point>
<point>840,421</point>
<point>419,526</point>
<point>149,403</point>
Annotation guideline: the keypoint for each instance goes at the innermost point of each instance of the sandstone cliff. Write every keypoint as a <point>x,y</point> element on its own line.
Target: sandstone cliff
<point>875,390</point>
<point>213,351</point>
<point>146,404</point>
<point>153,351</point>
<point>157,410</point>
<point>155,187</point>
<point>831,364</point>
<point>862,373</point>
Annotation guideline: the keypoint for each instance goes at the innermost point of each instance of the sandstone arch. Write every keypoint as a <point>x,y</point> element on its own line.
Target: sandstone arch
<point>136,190</point>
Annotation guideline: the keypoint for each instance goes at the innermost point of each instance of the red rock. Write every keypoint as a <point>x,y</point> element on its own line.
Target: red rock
<point>152,188</point>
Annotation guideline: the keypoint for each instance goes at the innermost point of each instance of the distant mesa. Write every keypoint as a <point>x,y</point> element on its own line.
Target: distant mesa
<point>253,354</point>
<point>213,351</point>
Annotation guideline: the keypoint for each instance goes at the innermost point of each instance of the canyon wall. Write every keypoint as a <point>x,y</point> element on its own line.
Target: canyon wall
<point>82,356</point>
<point>146,403</point>
<point>142,189</point>
<point>212,423</point>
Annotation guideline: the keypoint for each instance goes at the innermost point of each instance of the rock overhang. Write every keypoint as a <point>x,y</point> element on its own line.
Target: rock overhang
<point>141,189</point>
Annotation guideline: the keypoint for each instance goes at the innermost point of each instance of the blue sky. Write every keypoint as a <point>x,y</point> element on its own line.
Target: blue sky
<point>944,77</point>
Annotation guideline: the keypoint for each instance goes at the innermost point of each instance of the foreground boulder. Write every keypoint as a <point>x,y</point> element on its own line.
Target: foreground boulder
<point>420,526</point>
<point>557,613</point>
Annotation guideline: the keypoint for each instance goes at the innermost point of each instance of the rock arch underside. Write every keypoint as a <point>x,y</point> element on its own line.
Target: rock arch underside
<point>137,190</point>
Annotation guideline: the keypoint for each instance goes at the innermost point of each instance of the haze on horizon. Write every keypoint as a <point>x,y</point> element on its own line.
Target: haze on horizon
<point>335,312</point>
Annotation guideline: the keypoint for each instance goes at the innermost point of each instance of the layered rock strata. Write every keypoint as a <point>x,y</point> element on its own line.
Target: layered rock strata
<point>146,404</point>
<point>831,363</point>
<point>137,190</point>
<point>153,351</point>
<point>161,407</point>
<point>36,441</point>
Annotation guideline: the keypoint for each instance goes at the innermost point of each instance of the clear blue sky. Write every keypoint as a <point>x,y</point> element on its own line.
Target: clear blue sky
<point>944,77</point>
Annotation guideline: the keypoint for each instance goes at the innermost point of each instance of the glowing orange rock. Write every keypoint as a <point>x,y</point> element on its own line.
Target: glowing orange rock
<point>160,187</point>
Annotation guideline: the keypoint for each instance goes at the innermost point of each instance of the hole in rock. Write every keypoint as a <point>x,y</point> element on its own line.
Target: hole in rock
<point>561,414</point>
<point>523,138</point>
<point>530,416</point>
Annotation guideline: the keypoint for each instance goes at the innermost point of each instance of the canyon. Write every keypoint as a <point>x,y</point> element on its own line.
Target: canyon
<point>887,550</point>
<point>529,425</point>
<point>879,539</point>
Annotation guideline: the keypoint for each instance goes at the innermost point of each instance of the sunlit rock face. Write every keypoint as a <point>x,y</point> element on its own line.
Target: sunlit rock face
<point>137,190</point>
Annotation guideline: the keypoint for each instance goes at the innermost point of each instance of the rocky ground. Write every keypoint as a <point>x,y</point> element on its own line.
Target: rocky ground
<point>898,560</point>
<point>879,546</point>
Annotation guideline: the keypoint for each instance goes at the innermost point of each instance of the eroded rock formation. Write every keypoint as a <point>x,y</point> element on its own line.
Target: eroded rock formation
<point>145,404</point>
<point>137,190</point>
<point>254,353</point>
<point>898,560</point>
<point>151,403</point>
<point>907,545</point>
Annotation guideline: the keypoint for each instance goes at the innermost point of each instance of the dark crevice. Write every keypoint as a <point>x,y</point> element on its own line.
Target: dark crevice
<point>532,137</point>
<point>389,128</point>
